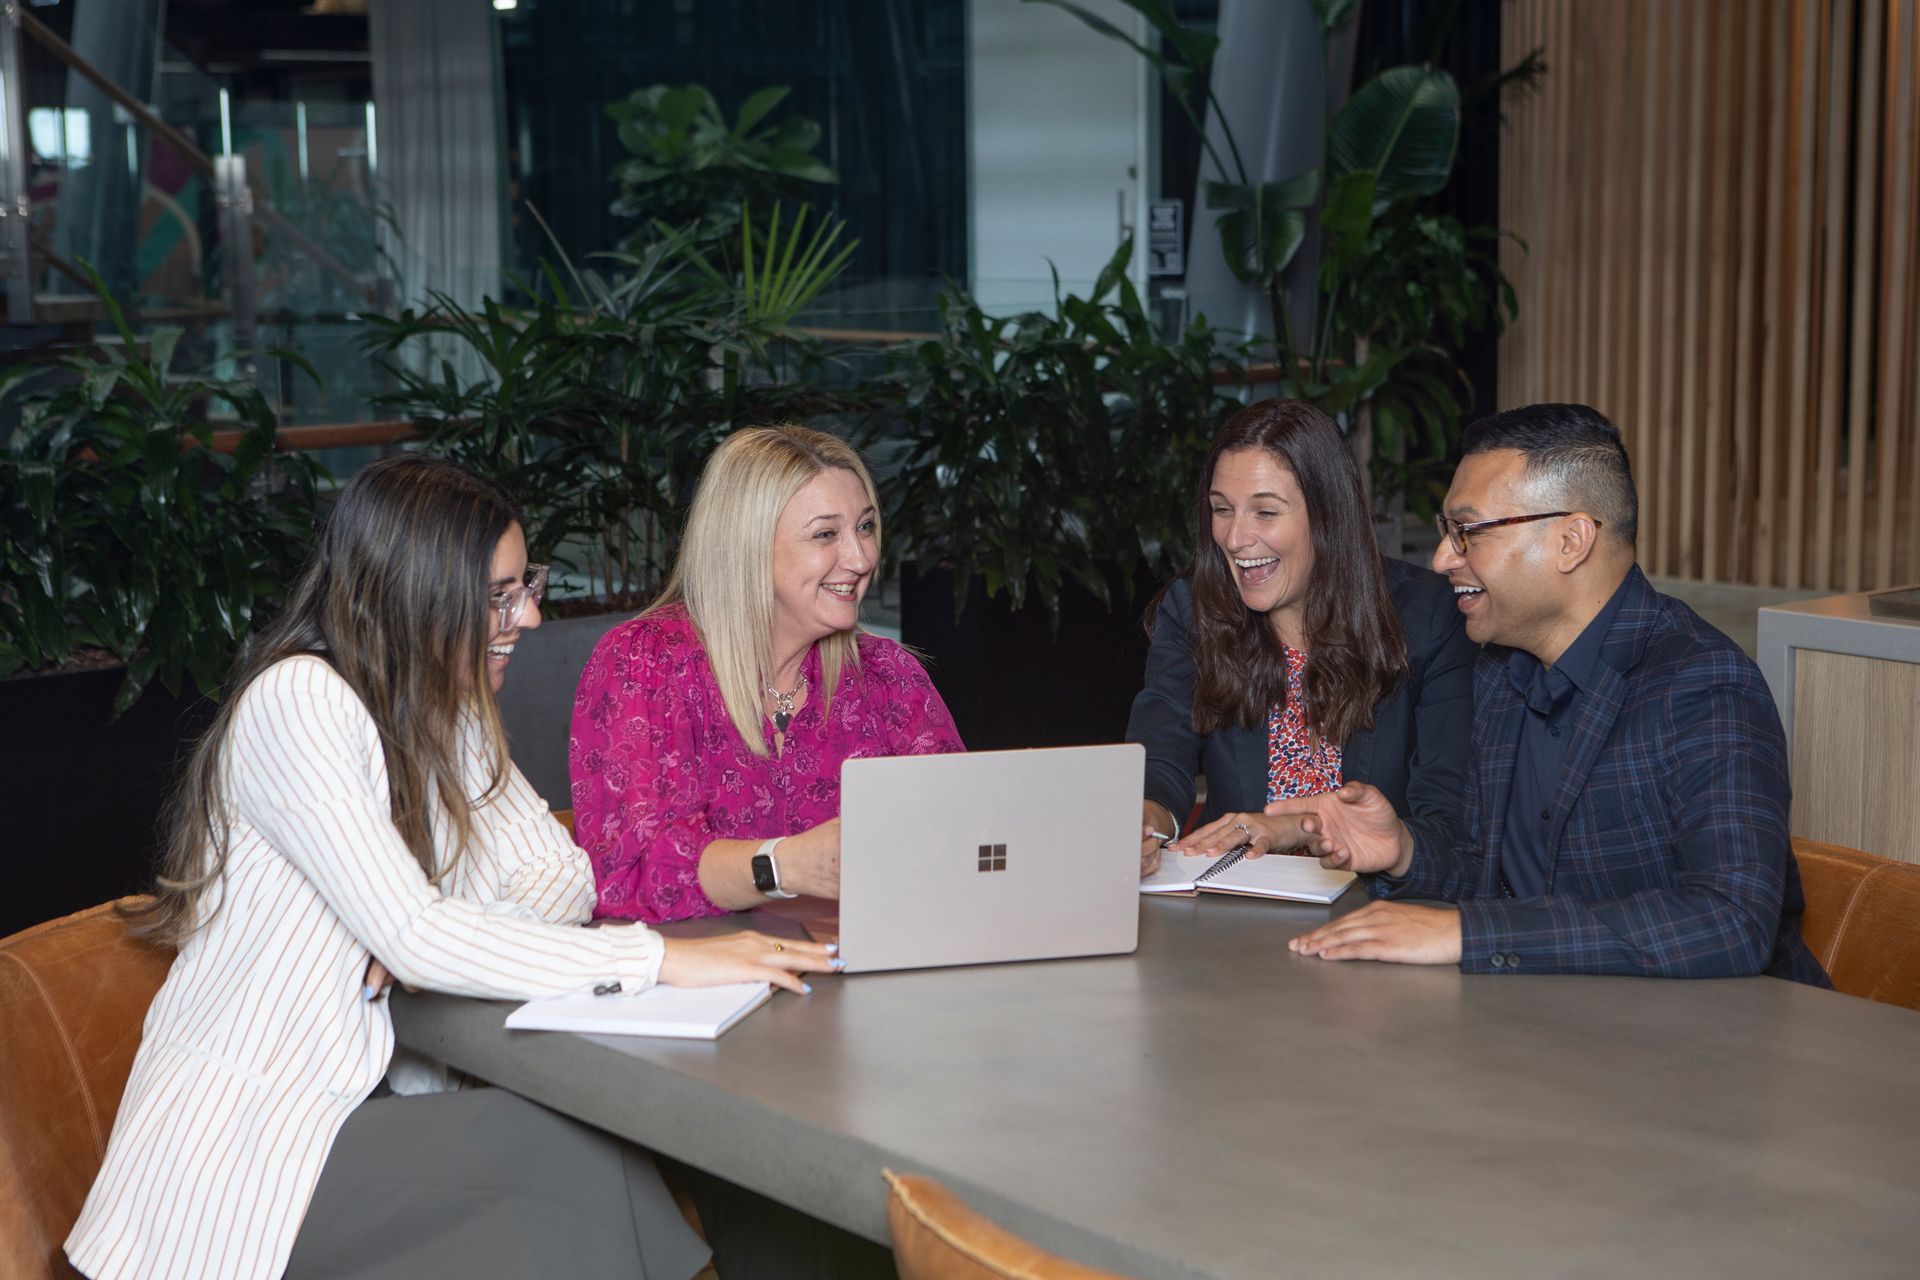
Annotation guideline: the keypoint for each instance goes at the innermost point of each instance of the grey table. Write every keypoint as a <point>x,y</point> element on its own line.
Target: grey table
<point>1217,1107</point>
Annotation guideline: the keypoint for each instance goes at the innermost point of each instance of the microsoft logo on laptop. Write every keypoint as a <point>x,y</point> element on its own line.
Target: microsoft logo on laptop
<point>993,857</point>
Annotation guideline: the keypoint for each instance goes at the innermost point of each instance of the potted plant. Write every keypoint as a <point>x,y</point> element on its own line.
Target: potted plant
<point>595,402</point>
<point>134,558</point>
<point>688,168</point>
<point>1400,285</point>
<point>1044,491</point>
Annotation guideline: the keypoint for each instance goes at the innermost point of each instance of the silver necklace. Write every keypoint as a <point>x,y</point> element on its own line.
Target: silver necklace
<point>783,705</point>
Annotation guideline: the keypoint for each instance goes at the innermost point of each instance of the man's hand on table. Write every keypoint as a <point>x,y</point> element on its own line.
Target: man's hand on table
<point>1398,931</point>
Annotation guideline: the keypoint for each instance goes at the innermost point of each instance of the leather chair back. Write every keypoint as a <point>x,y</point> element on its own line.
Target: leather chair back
<point>73,995</point>
<point>565,817</point>
<point>935,1237</point>
<point>1862,921</point>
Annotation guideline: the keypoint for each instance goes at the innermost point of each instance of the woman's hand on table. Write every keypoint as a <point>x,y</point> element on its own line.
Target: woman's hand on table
<point>810,862</point>
<point>1261,833</point>
<point>1155,824</point>
<point>745,957</point>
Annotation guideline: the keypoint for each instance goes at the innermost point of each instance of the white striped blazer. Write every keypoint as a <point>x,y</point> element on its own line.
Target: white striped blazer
<point>259,1045</point>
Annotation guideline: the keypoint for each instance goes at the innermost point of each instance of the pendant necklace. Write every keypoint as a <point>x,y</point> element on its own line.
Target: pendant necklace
<point>783,705</point>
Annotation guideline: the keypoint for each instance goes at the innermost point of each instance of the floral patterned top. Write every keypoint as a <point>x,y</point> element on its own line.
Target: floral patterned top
<point>659,771</point>
<point>1299,762</point>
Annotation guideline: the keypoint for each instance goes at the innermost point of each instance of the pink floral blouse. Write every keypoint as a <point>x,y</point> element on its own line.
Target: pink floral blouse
<point>659,771</point>
<point>1299,762</point>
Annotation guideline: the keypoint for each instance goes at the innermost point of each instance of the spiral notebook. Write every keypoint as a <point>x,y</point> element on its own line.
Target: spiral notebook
<point>1277,875</point>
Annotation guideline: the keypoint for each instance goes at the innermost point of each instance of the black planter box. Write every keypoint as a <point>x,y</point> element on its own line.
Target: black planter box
<point>1012,682</point>
<point>84,795</point>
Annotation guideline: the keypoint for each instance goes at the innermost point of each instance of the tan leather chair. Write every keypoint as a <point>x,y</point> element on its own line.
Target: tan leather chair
<point>73,994</point>
<point>565,816</point>
<point>1862,921</point>
<point>935,1237</point>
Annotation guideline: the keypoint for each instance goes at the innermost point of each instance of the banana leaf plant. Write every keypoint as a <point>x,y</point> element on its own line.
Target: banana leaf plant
<point>1399,287</point>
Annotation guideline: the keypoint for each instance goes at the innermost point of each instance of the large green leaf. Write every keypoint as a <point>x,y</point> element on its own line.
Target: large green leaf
<point>1331,13</point>
<point>1263,223</point>
<point>755,109</point>
<point>1404,126</point>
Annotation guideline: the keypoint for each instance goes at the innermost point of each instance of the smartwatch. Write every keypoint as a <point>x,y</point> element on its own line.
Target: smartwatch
<point>766,874</point>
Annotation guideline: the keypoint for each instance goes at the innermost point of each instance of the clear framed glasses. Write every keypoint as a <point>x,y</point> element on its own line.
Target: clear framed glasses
<point>1458,534</point>
<point>512,602</point>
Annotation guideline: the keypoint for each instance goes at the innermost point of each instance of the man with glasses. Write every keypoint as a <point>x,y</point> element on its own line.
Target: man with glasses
<point>1627,800</point>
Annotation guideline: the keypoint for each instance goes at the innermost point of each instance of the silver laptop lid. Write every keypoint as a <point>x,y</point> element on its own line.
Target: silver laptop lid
<point>990,856</point>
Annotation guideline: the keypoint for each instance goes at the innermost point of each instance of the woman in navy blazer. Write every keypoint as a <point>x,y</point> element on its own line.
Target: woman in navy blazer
<point>1291,657</point>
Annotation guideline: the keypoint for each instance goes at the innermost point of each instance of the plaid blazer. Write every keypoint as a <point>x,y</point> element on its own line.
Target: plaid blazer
<point>1669,854</point>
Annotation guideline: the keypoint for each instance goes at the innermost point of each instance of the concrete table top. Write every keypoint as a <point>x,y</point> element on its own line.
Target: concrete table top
<point>1214,1106</point>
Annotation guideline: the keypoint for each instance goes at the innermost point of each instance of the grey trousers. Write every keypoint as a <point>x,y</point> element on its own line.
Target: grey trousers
<point>482,1182</point>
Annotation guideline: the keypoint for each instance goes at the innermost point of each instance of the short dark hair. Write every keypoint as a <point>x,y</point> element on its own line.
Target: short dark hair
<point>1576,456</point>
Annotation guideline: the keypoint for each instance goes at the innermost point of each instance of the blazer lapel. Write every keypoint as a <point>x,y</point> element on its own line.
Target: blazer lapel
<point>1620,652</point>
<point>1496,748</point>
<point>1356,757</point>
<point>1599,708</point>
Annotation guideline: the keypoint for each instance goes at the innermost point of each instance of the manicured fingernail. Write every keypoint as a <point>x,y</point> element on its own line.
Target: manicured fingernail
<point>806,988</point>
<point>369,991</point>
<point>837,963</point>
<point>833,948</point>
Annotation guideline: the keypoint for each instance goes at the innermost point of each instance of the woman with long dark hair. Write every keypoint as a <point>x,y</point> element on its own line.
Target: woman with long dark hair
<point>1292,657</point>
<point>352,813</point>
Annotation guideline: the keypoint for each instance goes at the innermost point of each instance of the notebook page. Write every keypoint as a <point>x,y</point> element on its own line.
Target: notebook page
<point>1283,875</point>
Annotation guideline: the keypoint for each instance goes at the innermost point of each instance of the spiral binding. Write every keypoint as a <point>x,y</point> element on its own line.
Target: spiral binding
<point>1232,856</point>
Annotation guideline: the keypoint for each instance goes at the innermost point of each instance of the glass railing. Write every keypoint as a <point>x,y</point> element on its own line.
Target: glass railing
<point>249,226</point>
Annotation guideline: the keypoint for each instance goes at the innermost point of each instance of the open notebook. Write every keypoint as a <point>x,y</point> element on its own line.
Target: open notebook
<point>684,1013</point>
<point>1277,875</point>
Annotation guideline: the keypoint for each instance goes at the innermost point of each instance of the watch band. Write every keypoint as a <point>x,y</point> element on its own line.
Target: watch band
<point>770,885</point>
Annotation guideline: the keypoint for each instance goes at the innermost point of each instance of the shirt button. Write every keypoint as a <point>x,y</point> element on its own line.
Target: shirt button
<point>1555,732</point>
<point>1513,960</point>
<point>1546,815</point>
<point>1497,960</point>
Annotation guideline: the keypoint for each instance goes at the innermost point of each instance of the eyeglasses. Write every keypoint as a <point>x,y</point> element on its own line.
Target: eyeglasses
<point>1456,533</point>
<point>512,602</point>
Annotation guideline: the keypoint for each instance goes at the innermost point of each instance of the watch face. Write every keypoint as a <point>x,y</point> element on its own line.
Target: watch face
<point>763,873</point>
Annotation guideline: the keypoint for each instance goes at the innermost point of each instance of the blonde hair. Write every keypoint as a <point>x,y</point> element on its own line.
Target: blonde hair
<point>395,597</point>
<point>724,573</point>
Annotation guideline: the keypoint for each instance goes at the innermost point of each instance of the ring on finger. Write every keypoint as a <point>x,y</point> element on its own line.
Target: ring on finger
<point>779,946</point>
<point>1244,829</point>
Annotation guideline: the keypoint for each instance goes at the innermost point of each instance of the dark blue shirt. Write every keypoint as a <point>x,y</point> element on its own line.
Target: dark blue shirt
<point>1552,695</point>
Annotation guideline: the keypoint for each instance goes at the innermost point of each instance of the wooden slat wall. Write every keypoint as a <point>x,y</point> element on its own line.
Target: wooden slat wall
<point>1717,204</point>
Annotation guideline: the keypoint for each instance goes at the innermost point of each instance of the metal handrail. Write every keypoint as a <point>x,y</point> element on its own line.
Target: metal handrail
<point>180,142</point>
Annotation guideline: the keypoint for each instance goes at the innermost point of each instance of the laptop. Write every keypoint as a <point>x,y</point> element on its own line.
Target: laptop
<point>990,856</point>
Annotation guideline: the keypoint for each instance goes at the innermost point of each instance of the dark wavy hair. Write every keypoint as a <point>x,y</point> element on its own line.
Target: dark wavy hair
<point>1356,649</point>
<point>395,596</point>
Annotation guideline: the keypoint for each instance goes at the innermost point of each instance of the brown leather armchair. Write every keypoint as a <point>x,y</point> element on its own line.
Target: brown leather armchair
<point>1862,921</point>
<point>936,1237</point>
<point>73,995</point>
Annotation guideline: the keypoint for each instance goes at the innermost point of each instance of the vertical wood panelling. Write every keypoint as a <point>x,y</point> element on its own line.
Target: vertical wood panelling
<point>1866,183</point>
<point>1715,492</point>
<point>1751,127</point>
<point>1720,203</point>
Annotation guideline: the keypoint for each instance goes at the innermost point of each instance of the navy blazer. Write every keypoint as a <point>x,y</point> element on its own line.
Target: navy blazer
<point>1416,751</point>
<point>1669,854</point>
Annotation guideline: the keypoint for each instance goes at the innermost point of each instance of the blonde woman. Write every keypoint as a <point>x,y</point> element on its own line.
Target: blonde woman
<point>352,813</point>
<point>708,732</point>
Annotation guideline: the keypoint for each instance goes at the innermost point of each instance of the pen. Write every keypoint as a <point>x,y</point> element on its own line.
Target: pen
<point>1161,836</point>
